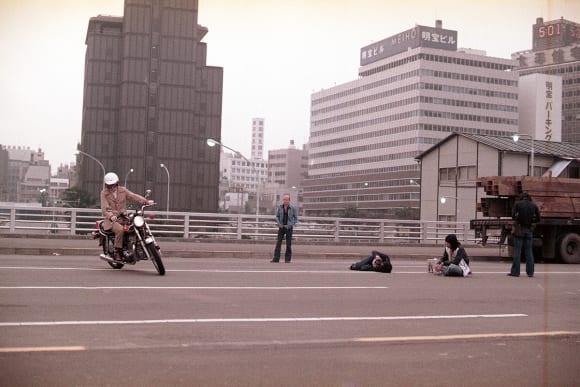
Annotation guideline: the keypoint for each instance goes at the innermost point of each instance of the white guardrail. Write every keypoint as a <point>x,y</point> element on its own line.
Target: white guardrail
<point>192,225</point>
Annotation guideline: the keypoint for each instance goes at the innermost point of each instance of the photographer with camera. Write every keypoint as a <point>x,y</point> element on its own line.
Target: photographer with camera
<point>377,261</point>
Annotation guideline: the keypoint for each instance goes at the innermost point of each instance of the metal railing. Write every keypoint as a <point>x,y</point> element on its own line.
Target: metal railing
<point>193,225</point>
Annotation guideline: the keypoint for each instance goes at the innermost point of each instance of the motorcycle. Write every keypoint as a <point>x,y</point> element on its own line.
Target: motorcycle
<point>139,244</point>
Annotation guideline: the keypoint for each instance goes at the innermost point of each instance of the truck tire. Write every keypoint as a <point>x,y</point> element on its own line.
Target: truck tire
<point>570,248</point>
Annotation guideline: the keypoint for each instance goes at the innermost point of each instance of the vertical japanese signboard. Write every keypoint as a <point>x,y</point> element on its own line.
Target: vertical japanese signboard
<point>540,106</point>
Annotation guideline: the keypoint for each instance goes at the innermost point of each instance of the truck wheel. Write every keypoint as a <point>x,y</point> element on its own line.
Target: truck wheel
<point>570,248</point>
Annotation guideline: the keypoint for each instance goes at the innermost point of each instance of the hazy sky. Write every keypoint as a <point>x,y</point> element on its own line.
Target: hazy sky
<point>274,54</point>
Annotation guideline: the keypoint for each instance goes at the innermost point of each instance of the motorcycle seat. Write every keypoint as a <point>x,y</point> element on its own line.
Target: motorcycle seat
<point>103,231</point>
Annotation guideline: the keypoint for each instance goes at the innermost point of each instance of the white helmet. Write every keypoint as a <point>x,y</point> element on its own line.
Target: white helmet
<point>111,178</point>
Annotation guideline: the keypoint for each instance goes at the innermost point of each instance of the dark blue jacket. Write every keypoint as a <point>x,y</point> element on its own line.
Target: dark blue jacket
<point>292,215</point>
<point>526,213</point>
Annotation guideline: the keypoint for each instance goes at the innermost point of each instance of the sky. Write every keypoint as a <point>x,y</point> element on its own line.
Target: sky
<point>275,54</point>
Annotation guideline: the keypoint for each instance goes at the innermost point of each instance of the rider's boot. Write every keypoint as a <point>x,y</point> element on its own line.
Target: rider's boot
<point>118,255</point>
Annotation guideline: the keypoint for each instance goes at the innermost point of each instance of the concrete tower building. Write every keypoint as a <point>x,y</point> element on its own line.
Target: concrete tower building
<point>287,167</point>
<point>150,99</point>
<point>413,89</point>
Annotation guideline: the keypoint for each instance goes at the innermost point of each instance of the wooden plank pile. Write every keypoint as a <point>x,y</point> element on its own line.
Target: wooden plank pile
<point>556,197</point>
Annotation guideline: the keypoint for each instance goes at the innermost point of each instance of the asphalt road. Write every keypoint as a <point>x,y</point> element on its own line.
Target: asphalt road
<point>71,320</point>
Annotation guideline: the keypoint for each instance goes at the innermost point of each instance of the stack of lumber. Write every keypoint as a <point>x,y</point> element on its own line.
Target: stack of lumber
<point>496,207</point>
<point>556,197</point>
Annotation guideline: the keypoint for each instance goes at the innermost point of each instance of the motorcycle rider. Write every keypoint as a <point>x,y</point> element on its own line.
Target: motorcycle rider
<point>114,205</point>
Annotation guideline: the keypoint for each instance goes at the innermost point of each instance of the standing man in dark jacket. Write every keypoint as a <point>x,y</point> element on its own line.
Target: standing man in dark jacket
<point>525,213</point>
<point>286,218</point>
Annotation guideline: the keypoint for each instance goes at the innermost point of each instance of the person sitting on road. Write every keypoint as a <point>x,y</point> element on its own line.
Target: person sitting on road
<point>114,205</point>
<point>377,261</point>
<point>451,262</point>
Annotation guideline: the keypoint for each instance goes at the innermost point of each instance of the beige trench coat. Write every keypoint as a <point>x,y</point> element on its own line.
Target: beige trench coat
<point>116,206</point>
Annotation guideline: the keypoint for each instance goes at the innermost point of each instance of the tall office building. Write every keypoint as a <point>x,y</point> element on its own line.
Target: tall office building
<point>257,138</point>
<point>413,89</point>
<point>556,52</point>
<point>150,99</point>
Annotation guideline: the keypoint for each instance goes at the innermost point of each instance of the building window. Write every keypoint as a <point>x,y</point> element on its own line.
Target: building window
<point>467,173</point>
<point>447,174</point>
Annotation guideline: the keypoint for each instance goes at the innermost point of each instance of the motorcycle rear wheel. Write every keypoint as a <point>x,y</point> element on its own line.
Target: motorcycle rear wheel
<point>156,259</point>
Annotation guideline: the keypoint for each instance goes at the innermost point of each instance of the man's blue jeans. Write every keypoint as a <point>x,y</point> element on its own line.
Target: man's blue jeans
<point>284,231</point>
<point>525,241</point>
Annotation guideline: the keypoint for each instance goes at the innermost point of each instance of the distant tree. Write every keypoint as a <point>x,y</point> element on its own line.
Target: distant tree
<point>350,212</point>
<point>76,197</point>
<point>407,213</point>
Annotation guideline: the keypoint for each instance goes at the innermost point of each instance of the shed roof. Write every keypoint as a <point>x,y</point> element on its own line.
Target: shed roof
<point>562,150</point>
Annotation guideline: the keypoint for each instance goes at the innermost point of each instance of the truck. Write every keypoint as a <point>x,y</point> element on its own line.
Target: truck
<point>556,236</point>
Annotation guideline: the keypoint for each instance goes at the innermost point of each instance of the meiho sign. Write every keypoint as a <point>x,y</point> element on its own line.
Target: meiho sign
<point>418,36</point>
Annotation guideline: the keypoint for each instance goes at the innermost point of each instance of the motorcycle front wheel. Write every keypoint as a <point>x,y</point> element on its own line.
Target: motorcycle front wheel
<point>115,265</point>
<point>156,259</point>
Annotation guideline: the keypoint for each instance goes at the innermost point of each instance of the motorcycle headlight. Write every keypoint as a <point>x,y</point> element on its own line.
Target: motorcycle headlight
<point>138,221</point>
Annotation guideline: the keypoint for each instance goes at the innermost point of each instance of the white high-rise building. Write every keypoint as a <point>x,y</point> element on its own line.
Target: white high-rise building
<point>241,173</point>
<point>412,90</point>
<point>240,176</point>
<point>257,138</point>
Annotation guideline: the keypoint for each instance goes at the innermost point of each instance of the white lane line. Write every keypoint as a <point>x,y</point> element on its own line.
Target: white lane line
<point>344,271</point>
<point>466,336</point>
<point>41,349</point>
<point>258,320</point>
<point>52,268</point>
<point>192,287</point>
<point>278,343</point>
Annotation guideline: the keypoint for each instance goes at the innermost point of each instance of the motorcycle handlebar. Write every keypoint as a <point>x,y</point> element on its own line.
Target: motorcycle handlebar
<point>147,205</point>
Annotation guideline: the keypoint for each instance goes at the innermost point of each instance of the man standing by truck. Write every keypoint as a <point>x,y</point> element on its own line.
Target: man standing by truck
<point>526,214</point>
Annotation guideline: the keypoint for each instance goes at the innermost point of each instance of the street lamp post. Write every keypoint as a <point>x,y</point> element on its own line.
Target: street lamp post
<point>516,137</point>
<point>166,171</point>
<point>365,185</point>
<point>127,175</point>
<point>43,196</point>
<point>443,200</point>
<point>95,159</point>
<point>211,143</point>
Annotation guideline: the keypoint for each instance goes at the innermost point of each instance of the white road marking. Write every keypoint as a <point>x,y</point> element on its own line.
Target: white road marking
<point>463,337</point>
<point>400,339</point>
<point>254,320</point>
<point>192,287</point>
<point>52,268</point>
<point>41,349</point>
